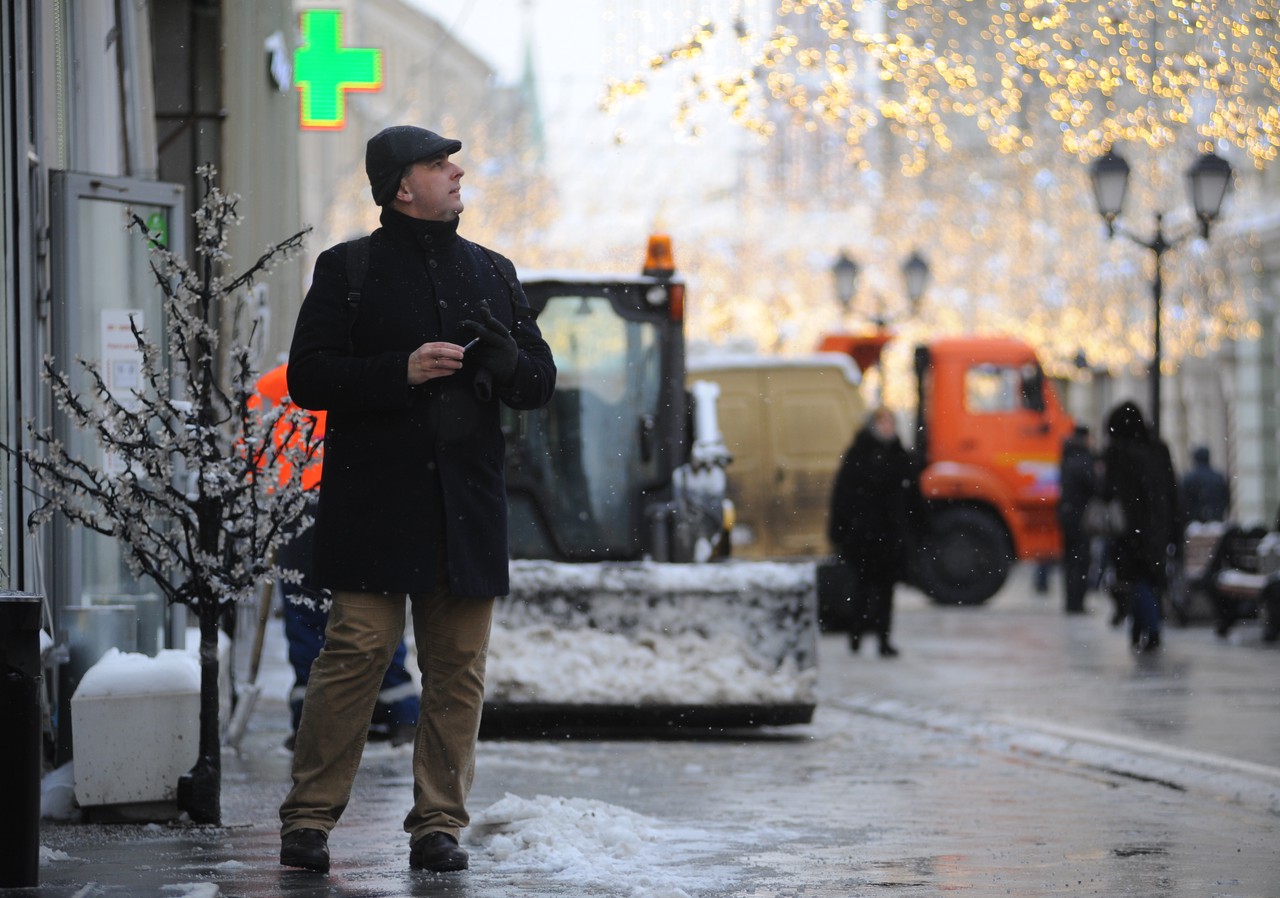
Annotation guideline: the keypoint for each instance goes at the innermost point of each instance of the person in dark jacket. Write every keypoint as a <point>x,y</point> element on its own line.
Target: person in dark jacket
<point>1076,483</point>
<point>413,499</point>
<point>1139,473</point>
<point>1206,495</point>
<point>870,523</point>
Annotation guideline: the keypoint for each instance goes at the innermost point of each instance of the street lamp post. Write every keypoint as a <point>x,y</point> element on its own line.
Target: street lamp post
<point>844,276</point>
<point>1207,182</point>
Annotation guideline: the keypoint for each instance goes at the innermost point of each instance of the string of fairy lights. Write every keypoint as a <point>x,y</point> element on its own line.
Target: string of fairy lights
<point>964,127</point>
<point>1105,73</point>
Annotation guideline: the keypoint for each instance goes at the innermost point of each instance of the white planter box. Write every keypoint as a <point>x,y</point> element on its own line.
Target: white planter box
<point>136,727</point>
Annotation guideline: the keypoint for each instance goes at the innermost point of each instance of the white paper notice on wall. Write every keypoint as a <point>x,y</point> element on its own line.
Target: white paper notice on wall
<point>121,363</point>
<point>121,360</point>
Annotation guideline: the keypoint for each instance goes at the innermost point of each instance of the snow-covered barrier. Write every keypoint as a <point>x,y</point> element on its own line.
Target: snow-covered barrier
<point>730,643</point>
<point>135,727</point>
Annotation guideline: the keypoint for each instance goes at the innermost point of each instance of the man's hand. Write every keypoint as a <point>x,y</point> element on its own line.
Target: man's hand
<point>432,360</point>
<point>497,350</point>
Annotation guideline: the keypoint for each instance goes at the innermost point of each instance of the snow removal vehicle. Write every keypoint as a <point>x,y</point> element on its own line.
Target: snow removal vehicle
<point>625,610</point>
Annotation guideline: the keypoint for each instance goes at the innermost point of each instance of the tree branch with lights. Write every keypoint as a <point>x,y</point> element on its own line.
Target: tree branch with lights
<point>200,482</point>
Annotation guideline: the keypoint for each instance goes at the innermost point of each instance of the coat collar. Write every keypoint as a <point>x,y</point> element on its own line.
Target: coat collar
<point>431,236</point>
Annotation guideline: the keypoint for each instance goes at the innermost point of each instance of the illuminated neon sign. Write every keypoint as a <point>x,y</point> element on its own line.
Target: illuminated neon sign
<point>324,70</point>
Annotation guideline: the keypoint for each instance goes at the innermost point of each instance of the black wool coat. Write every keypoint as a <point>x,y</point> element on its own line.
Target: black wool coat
<point>1139,473</point>
<point>411,471</point>
<point>873,503</point>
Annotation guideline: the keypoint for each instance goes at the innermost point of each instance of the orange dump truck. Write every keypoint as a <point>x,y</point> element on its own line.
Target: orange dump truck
<point>988,432</point>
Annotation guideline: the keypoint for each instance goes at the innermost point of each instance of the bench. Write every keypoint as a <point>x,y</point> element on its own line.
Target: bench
<point>1244,580</point>
<point>1190,599</point>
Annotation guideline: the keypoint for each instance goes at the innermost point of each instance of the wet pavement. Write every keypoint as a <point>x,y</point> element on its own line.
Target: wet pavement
<point>1011,750</point>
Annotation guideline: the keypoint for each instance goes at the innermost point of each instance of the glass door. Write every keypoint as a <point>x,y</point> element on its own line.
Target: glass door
<point>102,281</point>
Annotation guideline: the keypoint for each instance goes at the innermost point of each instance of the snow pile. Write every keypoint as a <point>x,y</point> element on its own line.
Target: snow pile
<point>57,794</point>
<point>585,842</point>
<point>131,673</point>
<point>49,855</point>
<point>546,664</point>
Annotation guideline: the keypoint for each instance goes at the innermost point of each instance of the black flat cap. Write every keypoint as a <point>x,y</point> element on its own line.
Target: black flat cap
<point>391,149</point>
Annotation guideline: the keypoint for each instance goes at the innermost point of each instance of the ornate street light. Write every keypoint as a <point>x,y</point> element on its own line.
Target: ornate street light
<point>915,271</point>
<point>1207,183</point>
<point>845,275</point>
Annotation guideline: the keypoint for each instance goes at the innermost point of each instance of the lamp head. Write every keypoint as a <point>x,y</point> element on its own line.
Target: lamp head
<point>915,270</point>
<point>1208,181</point>
<point>845,275</point>
<point>1110,176</point>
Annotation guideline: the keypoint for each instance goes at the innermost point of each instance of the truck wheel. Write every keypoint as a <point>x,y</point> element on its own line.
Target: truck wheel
<point>966,556</point>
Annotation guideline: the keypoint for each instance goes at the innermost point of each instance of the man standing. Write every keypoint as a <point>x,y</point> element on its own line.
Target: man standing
<point>1206,495</point>
<point>413,498</point>
<point>1076,482</point>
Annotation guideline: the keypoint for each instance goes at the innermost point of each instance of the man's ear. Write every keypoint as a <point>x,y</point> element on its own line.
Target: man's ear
<point>403,193</point>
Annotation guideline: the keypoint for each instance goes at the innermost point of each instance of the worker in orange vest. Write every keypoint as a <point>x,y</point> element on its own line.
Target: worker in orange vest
<point>395,716</point>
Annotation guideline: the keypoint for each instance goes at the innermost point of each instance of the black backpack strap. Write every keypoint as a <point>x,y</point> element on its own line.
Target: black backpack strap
<point>357,268</point>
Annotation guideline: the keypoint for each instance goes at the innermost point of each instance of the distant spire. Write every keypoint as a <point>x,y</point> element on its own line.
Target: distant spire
<point>529,85</point>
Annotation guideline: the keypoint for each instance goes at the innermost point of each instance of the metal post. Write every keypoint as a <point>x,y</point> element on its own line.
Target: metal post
<point>20,765</point>
<point>1158,245</point>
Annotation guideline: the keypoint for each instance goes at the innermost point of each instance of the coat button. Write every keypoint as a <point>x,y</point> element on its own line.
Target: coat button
<point>433,263</point>
<point>443,304</point>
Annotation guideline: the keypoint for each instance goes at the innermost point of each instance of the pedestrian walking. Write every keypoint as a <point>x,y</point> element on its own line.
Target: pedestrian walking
<point>413,499</point>
<point>1076,486</point>
<point>870,524</point>
<point>1206,495</point>
<point>305,608</point>
<point>1139,476</point>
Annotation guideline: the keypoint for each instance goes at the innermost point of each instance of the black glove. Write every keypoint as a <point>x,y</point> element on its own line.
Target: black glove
<point>497,349</point>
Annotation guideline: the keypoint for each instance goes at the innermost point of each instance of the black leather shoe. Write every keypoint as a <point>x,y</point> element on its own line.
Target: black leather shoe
<point>887,650</point>
<point>305,848</point>
<point>438,852</point>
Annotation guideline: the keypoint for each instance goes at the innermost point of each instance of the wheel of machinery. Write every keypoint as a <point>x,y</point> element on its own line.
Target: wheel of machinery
<point>965,557</point>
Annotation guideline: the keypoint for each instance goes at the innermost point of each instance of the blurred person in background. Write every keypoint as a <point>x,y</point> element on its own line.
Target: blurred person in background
<point>1138,473</point>
<point>1206,495</point>
<point>1076,482</point>
<point>870,524</point>
<point>306,611</point>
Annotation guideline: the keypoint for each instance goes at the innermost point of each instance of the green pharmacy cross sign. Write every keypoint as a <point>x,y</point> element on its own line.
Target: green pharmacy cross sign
<point>324,70</point>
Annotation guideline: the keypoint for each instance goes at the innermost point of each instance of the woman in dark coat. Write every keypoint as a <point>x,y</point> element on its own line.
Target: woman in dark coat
<point>1139,473</point>
<point>869,523</point>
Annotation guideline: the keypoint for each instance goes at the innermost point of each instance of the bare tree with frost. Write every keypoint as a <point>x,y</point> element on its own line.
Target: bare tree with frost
<point>205,482</point>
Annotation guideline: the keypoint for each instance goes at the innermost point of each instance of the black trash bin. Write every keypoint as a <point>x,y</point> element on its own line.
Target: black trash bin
<point>20,766</point>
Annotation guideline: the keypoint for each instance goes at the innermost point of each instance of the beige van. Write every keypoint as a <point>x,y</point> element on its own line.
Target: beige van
<point>787,421</point>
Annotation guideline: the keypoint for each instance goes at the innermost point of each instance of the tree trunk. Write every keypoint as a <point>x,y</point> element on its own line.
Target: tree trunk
<point>200,789</point>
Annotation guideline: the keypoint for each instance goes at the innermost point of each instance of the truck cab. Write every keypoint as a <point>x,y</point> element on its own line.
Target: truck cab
<point>989,433</point>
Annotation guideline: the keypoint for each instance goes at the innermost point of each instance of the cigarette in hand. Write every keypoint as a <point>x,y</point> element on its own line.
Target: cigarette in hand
<point>471,344</point>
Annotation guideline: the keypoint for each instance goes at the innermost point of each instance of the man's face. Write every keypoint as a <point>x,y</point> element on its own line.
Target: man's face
<point>432,190</point>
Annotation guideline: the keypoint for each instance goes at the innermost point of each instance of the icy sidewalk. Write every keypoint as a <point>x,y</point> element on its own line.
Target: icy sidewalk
<point>930,773</point>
